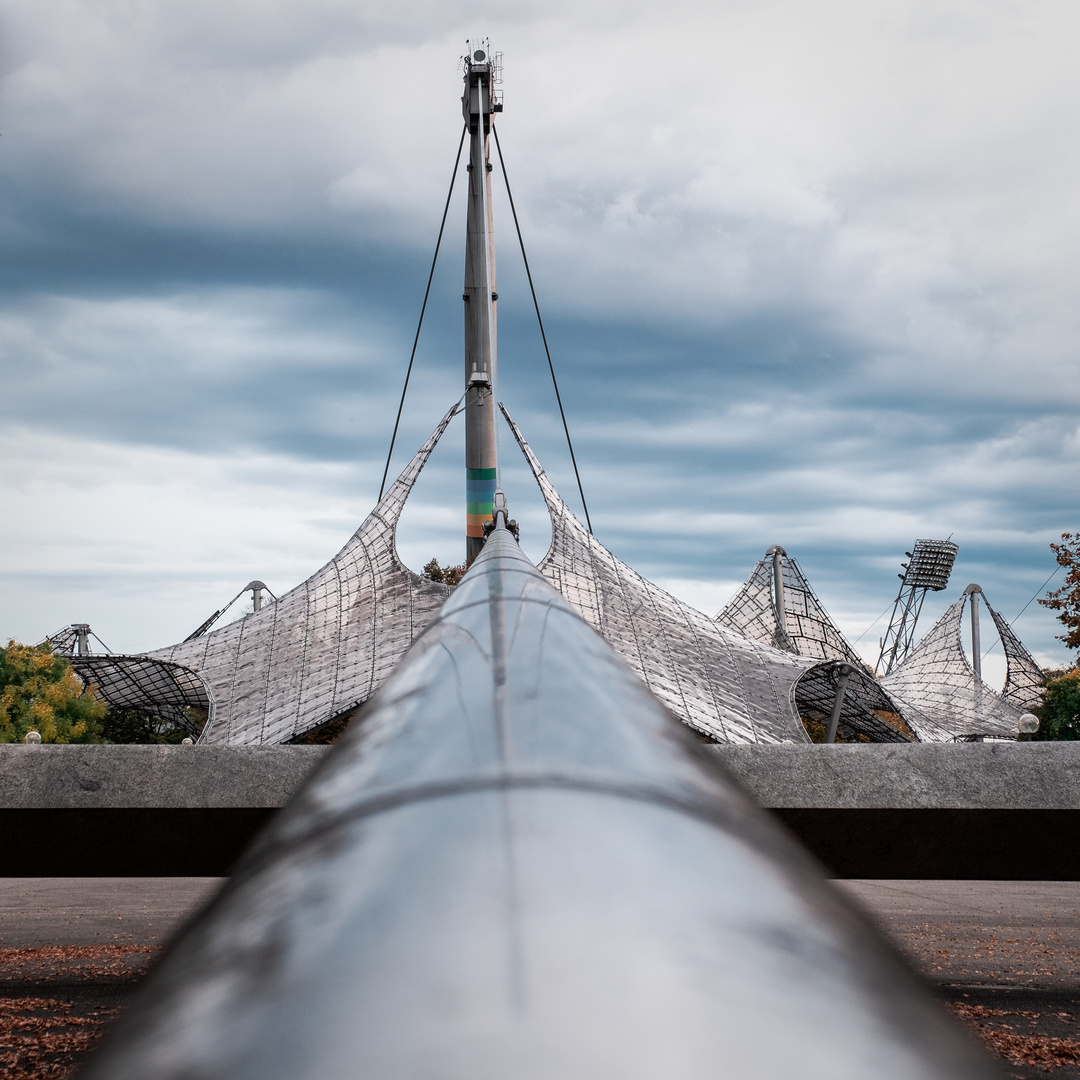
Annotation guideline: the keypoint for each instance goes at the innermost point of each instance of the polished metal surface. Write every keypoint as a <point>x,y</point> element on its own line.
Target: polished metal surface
<point>518,865</point>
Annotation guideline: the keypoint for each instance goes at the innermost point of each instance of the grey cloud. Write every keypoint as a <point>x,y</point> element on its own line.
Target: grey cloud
<point>807,271</point>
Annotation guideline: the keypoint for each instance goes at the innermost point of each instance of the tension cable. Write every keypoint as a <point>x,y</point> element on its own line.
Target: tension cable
<point>543,336</point>
<point>423,308</point>
<point>994,644</point>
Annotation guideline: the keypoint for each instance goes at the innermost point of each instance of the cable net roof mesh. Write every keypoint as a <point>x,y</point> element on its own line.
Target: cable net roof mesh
<point>942,697</point>
<point>868,714</point>
<point>731,687</point>
<point>143,682</point>
<point>1023,676</point>
<point>807,630</point>
<point>325,646</point>
<point>65,641</point>
<point>155,686</point>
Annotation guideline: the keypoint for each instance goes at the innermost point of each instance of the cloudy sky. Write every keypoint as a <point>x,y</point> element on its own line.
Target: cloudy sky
<point>808,273</point>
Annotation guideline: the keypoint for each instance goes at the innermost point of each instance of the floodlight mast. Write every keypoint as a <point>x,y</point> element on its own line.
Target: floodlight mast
<point>478,103</point>
<point>928,570</point>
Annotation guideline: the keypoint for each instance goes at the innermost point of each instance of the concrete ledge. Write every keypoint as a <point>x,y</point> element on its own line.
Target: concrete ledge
<point>927,776</point>
<point>135,811</point>
<point>916,776</point>
<point>158,777</point>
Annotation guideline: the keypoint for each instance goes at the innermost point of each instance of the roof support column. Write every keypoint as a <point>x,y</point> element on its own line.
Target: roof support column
<point>976,640</point>
<point>844,672</point>
<point>779,606</point>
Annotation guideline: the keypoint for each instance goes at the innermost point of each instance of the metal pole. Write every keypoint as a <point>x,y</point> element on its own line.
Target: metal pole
<point>976,643</point>
<point>481,449</point>
<point>256,589</point>
<point>844,671</point>
<point>779,607</point>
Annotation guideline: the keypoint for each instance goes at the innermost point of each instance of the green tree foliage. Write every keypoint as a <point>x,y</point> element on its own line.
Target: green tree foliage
<point>127,724</point>
<point>1059,711</point>
<point>1066,600</point>
<point>445,575</point>
<point>40,692</point>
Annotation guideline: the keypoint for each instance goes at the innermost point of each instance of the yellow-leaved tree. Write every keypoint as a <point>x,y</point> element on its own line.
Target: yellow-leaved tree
<point>40,692</point>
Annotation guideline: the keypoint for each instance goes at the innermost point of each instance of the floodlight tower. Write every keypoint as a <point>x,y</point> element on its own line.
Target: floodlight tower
<point>928,571</point>
<point>478,103</point>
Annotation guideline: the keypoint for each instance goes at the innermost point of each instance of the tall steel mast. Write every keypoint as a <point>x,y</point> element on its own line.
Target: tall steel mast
<point>478,103</point>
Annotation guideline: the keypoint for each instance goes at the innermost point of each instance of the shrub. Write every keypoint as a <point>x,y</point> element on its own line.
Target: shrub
<point>40,692</point>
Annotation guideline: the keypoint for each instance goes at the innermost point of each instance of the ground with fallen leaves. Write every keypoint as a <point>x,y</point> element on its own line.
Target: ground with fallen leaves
<point>1018,1036</point>
<point>1008,968</point>
<point>56,1001</point>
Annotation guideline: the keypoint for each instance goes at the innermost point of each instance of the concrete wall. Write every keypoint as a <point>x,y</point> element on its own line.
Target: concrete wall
<point>997,811</point>
<point>989,810</point>
<point>127,811</point>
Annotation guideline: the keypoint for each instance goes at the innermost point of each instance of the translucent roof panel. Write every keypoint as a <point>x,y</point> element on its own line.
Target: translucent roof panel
<point>940,693</point>
<point>143,682</point>
<point>1023,676</point>
<point>326,646</point>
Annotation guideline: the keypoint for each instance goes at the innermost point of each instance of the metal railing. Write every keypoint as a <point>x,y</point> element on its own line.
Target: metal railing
<point>518,865</point>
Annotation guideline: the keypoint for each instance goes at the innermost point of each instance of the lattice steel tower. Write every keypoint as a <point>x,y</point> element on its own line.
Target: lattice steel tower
<point>478,103</point>
<point>928,571</point>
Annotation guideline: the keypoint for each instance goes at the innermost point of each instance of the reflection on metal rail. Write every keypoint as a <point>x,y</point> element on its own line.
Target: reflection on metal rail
<point>518,865</point>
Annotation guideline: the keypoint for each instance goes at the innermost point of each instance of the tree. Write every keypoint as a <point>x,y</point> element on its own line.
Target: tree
<point>40,692</point>
<point>1059,711</point>
<point>130,724</point>
<point>1066,600</point>
<point>445,575</point>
